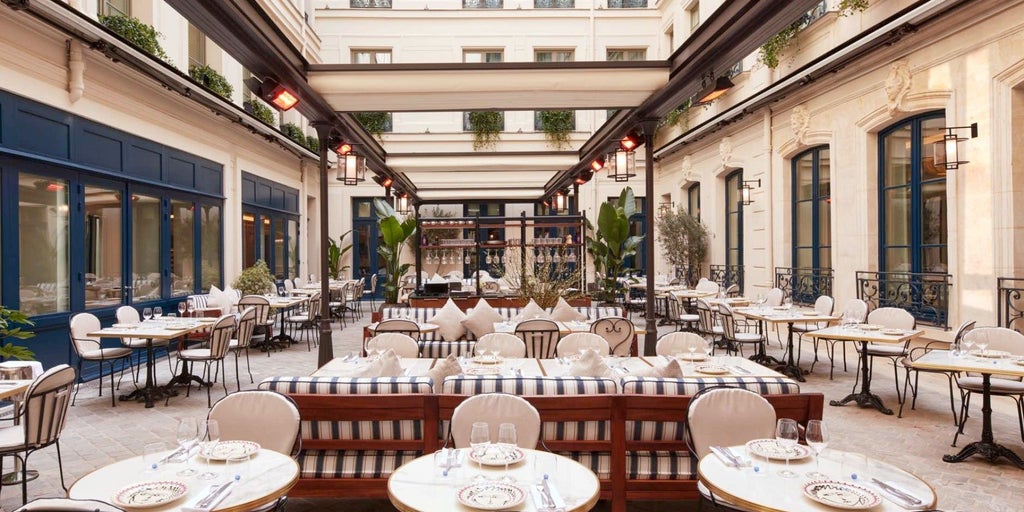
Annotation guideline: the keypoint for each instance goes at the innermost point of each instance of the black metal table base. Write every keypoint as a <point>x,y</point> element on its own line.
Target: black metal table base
<point>790,368</point>
<point>149,394</point>
<point>987,446</point>
<point>863,399</point>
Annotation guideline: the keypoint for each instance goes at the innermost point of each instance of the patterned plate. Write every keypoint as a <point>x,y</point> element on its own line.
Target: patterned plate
<point>125,326</point>
<point>710,369</point>
<point>225,450</point>
<point>843,495</point>
<point>692,357</point>
<point>150,494</point>
<point>488,359</point>
<point>994,354</point>
<point>482,370</point>
<point>810,313</point>
<point>892,332</point>
<point>491,496</point>
<point>771,449</point>
<point>870,327</point>
<point>494,456</point>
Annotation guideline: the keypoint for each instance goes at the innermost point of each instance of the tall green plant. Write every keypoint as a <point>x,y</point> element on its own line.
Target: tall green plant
<point>393,234</point>
<point>12,323</point>
<point>334,254</point>
<point>684,240</point>
<point>612,243</point>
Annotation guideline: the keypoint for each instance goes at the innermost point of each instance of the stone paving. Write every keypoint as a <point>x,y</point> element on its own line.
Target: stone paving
<point>98,434</point>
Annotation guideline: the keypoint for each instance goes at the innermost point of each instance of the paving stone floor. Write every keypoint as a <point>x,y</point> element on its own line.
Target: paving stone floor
<point>98,434</point>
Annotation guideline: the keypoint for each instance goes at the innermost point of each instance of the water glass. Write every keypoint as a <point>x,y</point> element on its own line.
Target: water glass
<point>817,436</point>
<point>787,433</point>
<point>187,434</point>
<point>236,467</point>
<point>479,440</point>
<point>152,453</point>
<point>446,465</point>
<point>209,437</point>
<point>853,466</point>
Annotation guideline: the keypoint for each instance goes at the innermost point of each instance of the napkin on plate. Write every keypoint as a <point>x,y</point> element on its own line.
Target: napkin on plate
<point>193,505</point>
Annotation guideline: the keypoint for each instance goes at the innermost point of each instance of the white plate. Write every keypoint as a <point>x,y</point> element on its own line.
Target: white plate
<point>869,327</point>
<point>150,494</point>
<point>810,313</point>
<point>225,450</point>
<point>482,370</point>
<point>994,354</point>
<point>491,496</point>
<point>125,326</point>
<point>692,357</point>
<point>710,369</point>
<point>843,495</point>
<point>771,449</point>
<point>497,457</point>
<point>892,332</point>
<point>487,359</point>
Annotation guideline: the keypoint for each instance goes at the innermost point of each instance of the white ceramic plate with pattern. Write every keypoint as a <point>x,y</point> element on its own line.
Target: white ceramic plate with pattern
<point>710,369</point>
<point>843,495</point>
<point>994,354</point>
<point>495,456</point>
<point>150,494</point>
<point>491,496</point>
<point>771,449</point>
<point>488,359</point>
<point>692,357</point>
<point>870,327</point>
<point>892,332</point>
<point>225,450</point>
<point>482,370</point>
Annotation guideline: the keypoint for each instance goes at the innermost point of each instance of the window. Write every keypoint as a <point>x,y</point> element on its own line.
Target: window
<point>183,263</point>
<point>210,238</point>
<point>812,209</point>
<point>733,219</point>
<point>146,251</point>
<point>44,249</point>
<point>694,14</point>
<point>370,4</point>
<point>693,200</point>
<point>626,4</point>
<point>621,54</point>
<point>484,258</point>
<point>553,55</point>
<point>913,228</point>
<point>371,56</point>
<point>196,46</point>
<point>115,8</point>
<point>554,4</point>
<point>482,4</point>
<point>272,237</point>
<point>103,242</point>
<point>485,56</point>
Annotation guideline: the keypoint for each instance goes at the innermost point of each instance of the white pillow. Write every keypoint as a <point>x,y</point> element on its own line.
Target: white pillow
<point>449,318</point>
<point>590,364</point>
<point>387,365</point>
<point>670,370</point>
<point>532,310</point>
<point>481,319</point>
<point>219,299</point>
<point>437,279</point>
<point>446,367</point>
<point>563,312</point>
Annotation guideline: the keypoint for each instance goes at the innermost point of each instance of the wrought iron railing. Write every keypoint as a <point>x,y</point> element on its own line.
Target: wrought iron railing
<point>1011,302</point>
<point>370,4</point>
<point>689,275</point>
<point>727,275</point>
<point>924,294</point>
<point>554,4</point>
<point>626,4</point>
<point>804,285</point>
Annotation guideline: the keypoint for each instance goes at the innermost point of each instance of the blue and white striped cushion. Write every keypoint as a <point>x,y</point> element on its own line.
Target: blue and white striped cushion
<point>661,465</point>
<point>691,385</point>
<point>441,349</point>
<point>598,462</point>
<point>348,385</point>
<point>201,301</point>
<point>351,463</point>
<point>477,384</point>
<point>593,313</point>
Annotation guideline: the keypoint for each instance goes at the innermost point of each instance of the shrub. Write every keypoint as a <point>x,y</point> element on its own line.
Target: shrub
<point>259,110</point>
<point>136,32</point>
<point>255,280</point>
<point>211,79</point>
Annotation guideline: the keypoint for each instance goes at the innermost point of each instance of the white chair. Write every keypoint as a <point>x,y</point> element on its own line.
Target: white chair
<point>372,292</point>
<point>774,298</point>
<point>399,325</point>
<point>677,314</point>
<point>675,343</point>
<point>917,352</point>
<point>577,342</point>
<point>735,339</point>
<point>707,326</point>
<point>855,310</point>
<point>130,315</point>
<point>403,345</point>
<point>217,343</point>
<point>706,285</point>
<point>507,345</point>
<point>288,287</point>
<point>241,341</point>
<point>264,321</point>
<point>307,320</point>
<point>889,318</point>
<point>619,332</point>
<point>495,409</point>
<point>540,337</point>
<point>823,305</point>
<point>998,338</point>
<point>299,282</point>
<point>89,349</point>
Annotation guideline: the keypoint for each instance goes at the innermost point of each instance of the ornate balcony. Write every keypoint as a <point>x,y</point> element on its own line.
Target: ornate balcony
<point>1011,302</point>
<point>727,275</point>
<point>804,285</point>
<point>924,294</point>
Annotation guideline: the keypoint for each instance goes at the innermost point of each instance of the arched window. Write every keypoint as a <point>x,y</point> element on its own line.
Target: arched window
<point>812,209</point>
<point>912,215</point>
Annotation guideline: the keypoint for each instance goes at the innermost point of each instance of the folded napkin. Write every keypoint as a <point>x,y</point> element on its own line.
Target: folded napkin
<point>590,364</point>
<point>204,503</point>
<point>538,497</point>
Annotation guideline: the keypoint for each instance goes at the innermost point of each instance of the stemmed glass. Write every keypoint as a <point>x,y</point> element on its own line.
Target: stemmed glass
<point>181,308</point>
<point>191,308</point>
<point>466,259</point>
<point>786,435</point>
<point>211,435</point>
<point>788,303</point>
<point>817,436</point>
<point>479,439</point>
<point>982,344</point>
<point>507,444</point>
<point>147,313</point>
<point>967,342</point>
<point>187,435</point>
<point>158,312</point>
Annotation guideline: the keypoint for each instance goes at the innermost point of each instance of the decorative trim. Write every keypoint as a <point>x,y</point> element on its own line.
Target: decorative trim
<point>897,86</point>
<point>76,70</point>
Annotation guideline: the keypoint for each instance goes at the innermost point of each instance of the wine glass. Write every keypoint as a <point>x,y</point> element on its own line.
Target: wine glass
<point>147,313</point>
<point>181,308</point>
<point>187,434</point>
<point>210,432</point>
<point>967,342</point>
<point>191,307</point>
<point>479,439</point>
<point>817,436</point>
<point>158,312</point>
<point>466,259</point>
<point>692,348</point>
<point>507,445</point>
<point>788,303</point>
<point>786,435</point>
<point>982,344</point>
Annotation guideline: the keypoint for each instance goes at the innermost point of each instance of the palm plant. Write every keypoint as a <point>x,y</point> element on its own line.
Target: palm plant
<point>393,234</point>
<point>11,322</point>
<point>335,252</point>
<point>612,244</point>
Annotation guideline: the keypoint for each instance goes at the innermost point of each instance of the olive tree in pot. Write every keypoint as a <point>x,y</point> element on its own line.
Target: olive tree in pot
<point>684,240</point>
<point>393,234</point>
<point>612,244</point>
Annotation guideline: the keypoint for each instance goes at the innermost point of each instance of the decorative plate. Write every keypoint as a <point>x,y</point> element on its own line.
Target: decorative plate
<point>150,494</point>
<point>225,450</point>
<point>771,449</point>
<point>892,332</point>
<point>125,326</point>
<point>711,369</point>
<point>779,308</point>
<point>843,495</point>
<point>994,354</point>
<point>810,313</point>
<point>490,496</point>
<point>870,327</point>
<point>496,456</point>
<point>488,359</point>
<point>482,370</point>
<point>692,357</point>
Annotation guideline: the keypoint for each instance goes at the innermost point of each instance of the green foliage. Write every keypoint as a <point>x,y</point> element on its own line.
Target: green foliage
<point>848,7</point>
<point>136,32</point>
<point>556,125</point>
<point>542,282</point>
<point>679,116</point>
<point>293,132</point>
<point>334,254</point>
<point>393,234</point>
<point>211,79</point>
<point>684,240</point>
<point>486,126</point>
<point>769,52</point>
<point>612,243</point>
<point>12,324</point>
<point>255,280</point>
<point>375,122</point>
<point>313,143</point>
<point>259,110</point>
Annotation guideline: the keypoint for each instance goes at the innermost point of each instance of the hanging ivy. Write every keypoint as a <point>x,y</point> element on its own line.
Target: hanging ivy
<point>136,32</point>
<point>259,110</point>
<point>848,7</point>
<point>679,116</point>
<point>556,125</point>
<point>375,122</point>
<point>486,127</point>
<point>211,79</point>
<point>770,51</point>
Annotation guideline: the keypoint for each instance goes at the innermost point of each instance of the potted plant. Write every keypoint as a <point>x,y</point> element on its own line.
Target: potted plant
<point>612,244</point>
<point>486,126</point>
<point>11,326</point>
<point>544,282</point>
<point>393,234</point>
<point>334,254</point>
<point>684,240</point>
<point>255,280</point>
<point>556,125</point>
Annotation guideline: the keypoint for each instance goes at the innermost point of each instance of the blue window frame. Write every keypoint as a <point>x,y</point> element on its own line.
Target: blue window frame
<point>364,239</point>
<point>733,219</point>
<point>812,209</point>
<point>693,200</point>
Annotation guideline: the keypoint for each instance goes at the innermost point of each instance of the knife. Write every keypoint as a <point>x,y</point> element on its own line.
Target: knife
<point>740,369</point>
<point>895,491</point>
<point>212,498</point>
<point>725,453</point>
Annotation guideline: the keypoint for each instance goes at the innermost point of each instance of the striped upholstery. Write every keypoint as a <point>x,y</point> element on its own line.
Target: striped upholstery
<point>422,315</point>
<point>351,464</point>
<point>598,462</point>
<point>348,386</point>
<point>660,465</point>
<point>690,386</point>
<point>526,386</point>
<point>441,349</point>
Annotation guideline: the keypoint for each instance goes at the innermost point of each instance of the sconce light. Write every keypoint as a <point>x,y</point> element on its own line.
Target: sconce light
<point>631,141</point>
<point>745,188</point>
<point>272,92</point>
<point>947,154</point>
<point>560,201</point>
<point>712,92</point>
<point>402,204</point>
<point>621,165</point>
<point>585,175</point>
<point>666,208</point>
<point>351,169</point>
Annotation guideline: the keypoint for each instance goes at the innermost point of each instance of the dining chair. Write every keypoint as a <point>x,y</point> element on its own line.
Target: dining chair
<point>732,291</point>
<point>289,285</point>
<point>855,310</point>
<point>635,300</point>
<point>678,316</point>
<point>372,292</point>
<point>507,345</point>
<point>706,285</point>
<point>130,315</point>
<point>998,338</point>
<point>675,343</point>
<point>40,421</point>
<point>735,339</point>
<point>299,282</point>
<point>540,336</point>
<point>619,332</point>
<point>889,318</point>
<point>707,326</point>
<point>90,349</point>
<point>399,325</point>
<point>774,298</point>
<point>490,287</point>
<point>403,345</point>
<point>264,321</point>
<point>711,420</point>
<point>823,305</point>
<point>495,409</point>
<point>575,343</point>
<point>917,352</point>
<point>241,341</point>
<point>307,320</point>
<point>217,343</point>
<point>67,504</point>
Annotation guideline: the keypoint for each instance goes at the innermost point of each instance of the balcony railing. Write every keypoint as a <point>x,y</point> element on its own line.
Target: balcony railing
<point>626,4</point>
<point>727,275</point>
<point>689,275</point>
<point>923,294</point>
<point>804,285</point>
<point>370,4</point>
<point>554,4</point>
<point>1011,302</point>
<point>482,4</point>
